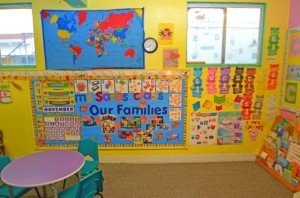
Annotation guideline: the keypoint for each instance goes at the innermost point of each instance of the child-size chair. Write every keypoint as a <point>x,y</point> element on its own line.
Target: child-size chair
<point>89,149</point>
<point>87,187</point>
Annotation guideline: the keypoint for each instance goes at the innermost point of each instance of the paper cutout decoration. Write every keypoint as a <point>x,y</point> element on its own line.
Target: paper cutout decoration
<point>165,33</point>
<point>207,104</point>
<point>219,99</point>
<point>211,80</point>
<point>5,94</point>
<point>170,58</point>
<point>257,107</point>
<point>246,106</point>
<point>254,128</point>
<point>77,3</point>
<point>291,92</point>
<point>273,41</point>
<point>273,75</point>
<point>224,80</point>
<point>271,111</point>
<point>237,80</point>
<point>196,106</point>
<point>249,80</point>
<point>197,88</point>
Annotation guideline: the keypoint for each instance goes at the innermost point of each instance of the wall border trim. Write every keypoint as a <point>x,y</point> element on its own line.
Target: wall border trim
<point>156,159</point>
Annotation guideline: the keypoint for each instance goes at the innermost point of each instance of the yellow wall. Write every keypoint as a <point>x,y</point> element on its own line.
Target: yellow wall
<point>16,118</point>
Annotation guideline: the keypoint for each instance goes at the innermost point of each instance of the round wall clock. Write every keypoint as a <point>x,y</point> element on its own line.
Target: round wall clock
<point>150,45</point>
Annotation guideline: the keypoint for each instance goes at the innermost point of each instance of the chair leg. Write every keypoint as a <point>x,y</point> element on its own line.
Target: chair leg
<point>100,194</point>
<point>37,192</point>
<point>64,185</point>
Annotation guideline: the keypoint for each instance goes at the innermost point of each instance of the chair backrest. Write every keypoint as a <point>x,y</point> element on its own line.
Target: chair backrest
<point>89,147</point>
<point>90,185</point>
<point>4,160</point>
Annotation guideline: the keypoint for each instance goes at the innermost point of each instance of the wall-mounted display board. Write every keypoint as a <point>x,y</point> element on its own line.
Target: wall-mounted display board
<point>291,81</point>
<point>88,39</point>
<point>116,108</point>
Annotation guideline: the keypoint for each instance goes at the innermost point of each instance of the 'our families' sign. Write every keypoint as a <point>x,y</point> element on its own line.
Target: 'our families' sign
<point>134,110</point>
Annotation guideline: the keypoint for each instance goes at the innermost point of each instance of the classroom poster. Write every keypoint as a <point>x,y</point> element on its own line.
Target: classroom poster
<point>204,129</point>
<point>230,130</point>
<point>291,81</point>
<point>294,46</point>
<point>122,110</point>
<point>88,39</point>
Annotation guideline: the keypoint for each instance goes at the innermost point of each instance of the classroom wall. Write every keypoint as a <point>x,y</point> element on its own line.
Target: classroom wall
<point>16,118</point>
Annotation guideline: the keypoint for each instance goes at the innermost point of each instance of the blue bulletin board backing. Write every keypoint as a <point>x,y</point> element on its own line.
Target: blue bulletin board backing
<point>133,108</point>
<point>89,39</point>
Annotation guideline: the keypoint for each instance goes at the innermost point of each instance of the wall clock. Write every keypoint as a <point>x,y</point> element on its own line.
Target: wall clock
<point>150,45</point>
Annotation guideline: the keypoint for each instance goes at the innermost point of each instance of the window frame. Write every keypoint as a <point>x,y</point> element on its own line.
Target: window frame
<point>225,5</point>
<point>25,5</point>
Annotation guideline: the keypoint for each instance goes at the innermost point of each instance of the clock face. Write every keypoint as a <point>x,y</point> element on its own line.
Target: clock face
<point>150,45</point>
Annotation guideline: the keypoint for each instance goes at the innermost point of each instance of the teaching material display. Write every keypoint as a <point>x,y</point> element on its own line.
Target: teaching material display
<point>279,154</point>
<point>88,39</point>
<point>115,108</point>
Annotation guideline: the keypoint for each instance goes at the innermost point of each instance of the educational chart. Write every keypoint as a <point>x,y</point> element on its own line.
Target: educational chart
<point>128,109</point>
<point>204,129</point>
<point>216,128</point>
<point>88,39</point>
<point>230,128</point>
<point>290,97</point>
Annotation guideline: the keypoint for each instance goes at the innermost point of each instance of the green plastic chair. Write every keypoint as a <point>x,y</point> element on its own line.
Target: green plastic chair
<point>4,189</point>
<point>87,187</point>
<point>89,149</point>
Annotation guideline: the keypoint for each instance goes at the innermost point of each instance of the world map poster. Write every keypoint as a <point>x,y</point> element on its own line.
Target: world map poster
<point>90,39</point>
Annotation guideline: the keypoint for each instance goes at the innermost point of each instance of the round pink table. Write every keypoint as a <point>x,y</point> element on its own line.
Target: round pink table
<point>42,168</point>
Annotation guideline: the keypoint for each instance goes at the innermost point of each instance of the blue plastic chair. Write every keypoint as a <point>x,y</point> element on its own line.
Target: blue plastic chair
<point>89,149</point>
<point>87,187</point>
<point>4,189</point>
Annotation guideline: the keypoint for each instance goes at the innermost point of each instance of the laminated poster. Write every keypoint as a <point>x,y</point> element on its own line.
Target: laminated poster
<point>89,39</point>
<point>204,129</point>
<point>230,128</point>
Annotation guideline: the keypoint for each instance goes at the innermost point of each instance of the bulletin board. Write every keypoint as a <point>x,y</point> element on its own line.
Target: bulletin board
<point>88,39</point>
<point>127,109</point>
<point>291,81</point>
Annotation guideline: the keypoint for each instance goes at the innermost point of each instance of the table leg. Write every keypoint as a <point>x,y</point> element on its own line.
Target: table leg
<point>45,191</point>
<point>10,191</point>
<point>55,193</point>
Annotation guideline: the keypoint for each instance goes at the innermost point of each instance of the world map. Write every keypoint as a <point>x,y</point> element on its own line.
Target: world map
<point>89,39</point>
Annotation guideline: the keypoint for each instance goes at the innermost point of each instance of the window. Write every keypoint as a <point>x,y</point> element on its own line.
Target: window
<point>221,34</point>
<point>16,35</point>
